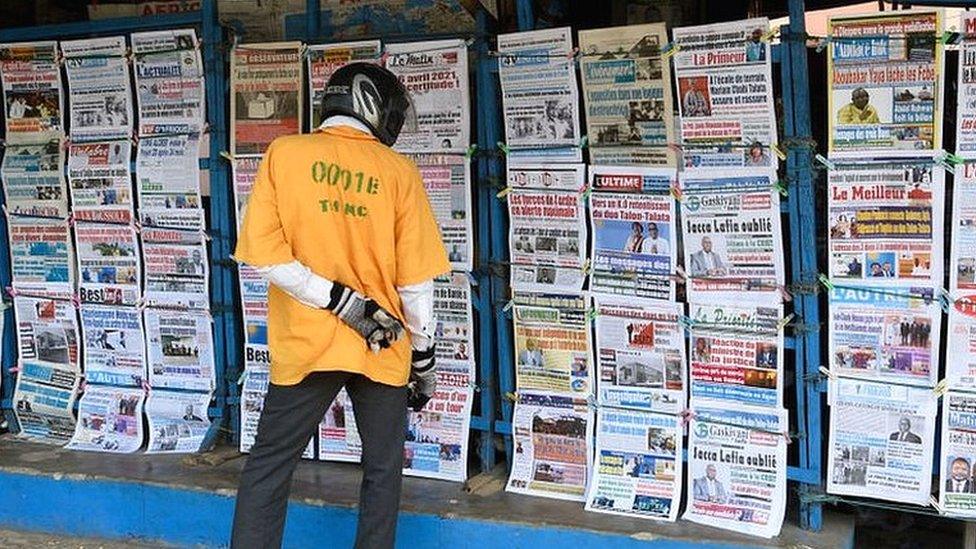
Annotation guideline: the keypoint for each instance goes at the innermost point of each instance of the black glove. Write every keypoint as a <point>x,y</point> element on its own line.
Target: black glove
<point>379,328</point>
<point>423,379</point>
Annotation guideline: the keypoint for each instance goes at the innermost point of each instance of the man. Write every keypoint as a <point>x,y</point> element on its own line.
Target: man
<point>633,243</point>
<point>531,355</point>
<point>887,270</point>
<point>904,432</point>
<point>766,357</point>
<point>694,104</point>
<point>334,217</point>
<point>188,414</point>
<point>858,111</point>
<point>959,481</point>
<point>653,244</point>
<point>876,269</point>
<point>757,155</point>
<point>708,488</point>
<point>755,48</point>
<point>705,262</point>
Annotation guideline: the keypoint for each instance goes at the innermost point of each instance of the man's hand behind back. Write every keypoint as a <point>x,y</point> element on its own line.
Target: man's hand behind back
<point>379,328</point>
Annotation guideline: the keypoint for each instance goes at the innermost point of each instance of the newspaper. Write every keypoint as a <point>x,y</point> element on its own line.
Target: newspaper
<point>108,264</point>
<point>338,436</point>
<point>966,98</point>
<point>178,421</point>
<point>638,465</point>
<point>454,327</point>
<point>109,420</point>
<point>100,181</point>
<point>551,176</point>
<point>551,435</point>
<point>114,349</point>
<point>253,391</point>
<point>33,182</point>
<point>254,305</point>
<point>435,74</point>
<point>169,82</point>
<point>31,92</point>
<point>635,245</point>
<point>725,92</point>
<point>99,95</point>
<point>962,258</point>
<point>265,95</point>
<point>41,256</point>
<point>168,182</point>
<point>733,242</point>
<point>540,100</point>
<point>640,353</point>
<point>627,92</point>
<point>324,60</point>
<point>177,274</point>
<point>957,487</point>
<point>245,171</point>
<point>737,354</point>
<point>179,350</point>
<point>447,179</point>
<point>437,436</point>
<point>885,222</point>
<point>960,369</point>
<point>881,440</point>
<point>737,469</point>
<point>886,334</point>
<point>884,83</point>
<point>547,240</point>
<point>552,344</point>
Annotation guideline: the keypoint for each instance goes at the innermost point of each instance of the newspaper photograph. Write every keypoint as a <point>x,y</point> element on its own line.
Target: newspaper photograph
<point>180,350</point>
<point>253,390</point>
<point>108,264</point>
<point>437,436</point>
<point>540,101</point>
<point>176,275</point>
<point>325,59</point>
<point>109,420</point>
<point>881,440</point>
<point>99,93</point>
<point>957,486</point>
<point>47,332</point>
<point>32,91</point>
<point>638,465</point>
<point>962,249</point>
<point>33,182</point>
<point>178,421</point>
<point>551,176</point>
<point>454,319</point>
<point>547,234</point>
<point>244,172</point>
<point>635,245</point>
<point>890,335</point>
<point>725,94</point>
<point>254,309</point>
<point>265,95</point>
<point>168,182</point>
<point>101,182</point>
<point>733,242</point>
<point>627,93</point>
<point>338,436</point>
<point>884,83</point>
<point>48,427</point>
<point>960,368</point>
<point>169,82</point>
<point>737,468</point>
<point>447,179</point>
<point>552,344</point>
<point>966,90</point>
<point>551,435</point>
<point>737,354</point>
<point>435,74</point>
<point>41,257</point>
<point>640,353</point>
<point>114,349</point>
<point>885,222</point>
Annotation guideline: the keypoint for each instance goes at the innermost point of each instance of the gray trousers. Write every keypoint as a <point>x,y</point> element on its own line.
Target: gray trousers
<point>290,417</point>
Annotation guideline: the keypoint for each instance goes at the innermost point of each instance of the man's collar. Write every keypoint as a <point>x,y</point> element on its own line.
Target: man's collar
<point>342,120</point>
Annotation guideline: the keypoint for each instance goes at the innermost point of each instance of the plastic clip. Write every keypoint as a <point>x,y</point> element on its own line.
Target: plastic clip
<point>822,43</point>
<point>502,146</point>
<point>676,193</point>
<point>514,397</point>
<point>780,186</point>
<point>778,151</point>
<point>669,49</point>
<point>471,151</point>
<point>941,388</point>
<point>822,278</point>
<point>508,306</point>
<point>824,371</point>
<point>503,193</point>
<point>826,163</point>
<point>784,321</point>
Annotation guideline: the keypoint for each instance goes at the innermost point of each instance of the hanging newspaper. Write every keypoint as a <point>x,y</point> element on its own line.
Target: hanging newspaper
<point>881,440</point>
<point>32,180</point>
<point>737,354</point>
<point>324,60</point>
<point>437,436</point>
<point>265,98</point>
<point>245,171</point>
<point>552,344</point>
<point>109,420</point>
<point>436,77</point>
<point>725,94</point>
<point>179,350</point>
<point>551,435</point>
<point>962,259</point>
<point>254,305</point>
<point>447,179</point>
<point>338,436</point>
<point>540,100</point>
<point>640,351</point>
<point>885,334</point>
<point>627,92</point>
<point>169,82</point>
<point>960,369</point>
<point>114,349</point>
<point>957,492</point>
<point>176,270</point>
<point>178,421</point>
<point>547,240</point>
<point>41,257</point>
<point>884,82</point>
<point>966,98</point>
<point>108,262</point>
<point>454,328</point>
<point>253,391</point>
<point>737,468</point>
<point>100,180</point>
<point>43,411</point>
<point>733,243</point>
<point>31,92</point>
<point>638,465</point>
<point>168,182</point>
<point>563,177</point>
<point>98,86</point>
<point>885,222</point>
<point>635,246</point>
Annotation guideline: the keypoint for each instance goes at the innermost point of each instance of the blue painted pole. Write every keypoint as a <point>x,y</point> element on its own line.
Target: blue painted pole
<point>523,15</point>
<point>313,21</point>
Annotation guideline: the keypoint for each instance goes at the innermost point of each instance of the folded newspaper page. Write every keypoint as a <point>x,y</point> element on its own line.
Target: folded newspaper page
<point>176,273</point>
<point>253,391</point>
<point>114,349</point>
<point>265,95</point>
<point>169,82</point>
<point>168,182</point>
<point>547,240</point>
<point>447,180</point>
<point>552,344</point>
<point>179,350</point>
<point>32,92</point>
<point>33,181</point>
<point>966,94</point>
<point>338,436</point>
<point>109,420</point>
<point>100,95</point>
<point>41,256</point>
<point>323,60</point>
<point>108,263</point>
<point>178,421</point>
<point>100,181</point>
<point>957,487</point>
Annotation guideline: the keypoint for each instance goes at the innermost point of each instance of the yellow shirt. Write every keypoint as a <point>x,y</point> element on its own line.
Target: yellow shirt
<point>353,211</point>
<point>850,114</point>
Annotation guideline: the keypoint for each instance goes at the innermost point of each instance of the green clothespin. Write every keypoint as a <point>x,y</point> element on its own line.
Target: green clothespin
<point>822,278</point>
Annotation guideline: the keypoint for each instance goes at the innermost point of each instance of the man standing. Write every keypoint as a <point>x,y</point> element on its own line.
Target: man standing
<point>334,217</point>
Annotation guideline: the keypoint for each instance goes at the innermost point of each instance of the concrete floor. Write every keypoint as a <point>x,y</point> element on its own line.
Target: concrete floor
<point>13,539</point>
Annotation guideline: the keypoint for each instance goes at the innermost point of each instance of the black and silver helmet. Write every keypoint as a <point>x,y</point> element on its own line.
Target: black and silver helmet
<point>374,96</point>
